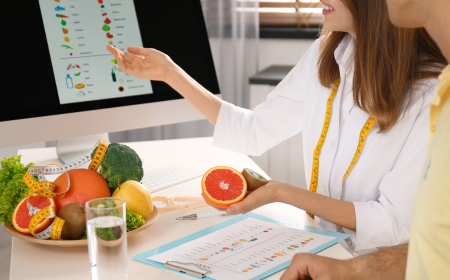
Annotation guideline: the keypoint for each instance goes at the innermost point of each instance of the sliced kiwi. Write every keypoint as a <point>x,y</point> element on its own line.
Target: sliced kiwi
<point>254,180</point>
<point>75,221</point>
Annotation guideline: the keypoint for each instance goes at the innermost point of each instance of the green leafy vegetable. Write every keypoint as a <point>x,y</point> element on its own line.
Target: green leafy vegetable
<point>12,188</point>
<point>134,221</point>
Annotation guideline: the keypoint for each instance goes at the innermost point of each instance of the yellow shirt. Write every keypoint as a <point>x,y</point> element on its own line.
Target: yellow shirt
<point>429,247</point>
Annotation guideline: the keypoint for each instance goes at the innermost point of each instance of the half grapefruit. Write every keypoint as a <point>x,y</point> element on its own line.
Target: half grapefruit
<point>223,186</point>
<point>22,216</point>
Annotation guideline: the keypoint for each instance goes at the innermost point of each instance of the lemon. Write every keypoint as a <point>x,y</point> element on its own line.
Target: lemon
<point>137,198</point>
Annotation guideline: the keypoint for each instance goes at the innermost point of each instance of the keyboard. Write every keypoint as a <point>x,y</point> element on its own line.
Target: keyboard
<point>165,177</point>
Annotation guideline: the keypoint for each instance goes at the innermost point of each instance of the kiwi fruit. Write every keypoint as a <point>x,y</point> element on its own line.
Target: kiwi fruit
<point>254,180</point>
<point>74,216</point>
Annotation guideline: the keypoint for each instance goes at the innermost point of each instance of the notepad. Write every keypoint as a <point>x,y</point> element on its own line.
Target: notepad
<point>248,246</point>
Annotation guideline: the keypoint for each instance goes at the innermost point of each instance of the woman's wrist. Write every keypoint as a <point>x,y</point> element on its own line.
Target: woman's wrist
<point>173,73</point>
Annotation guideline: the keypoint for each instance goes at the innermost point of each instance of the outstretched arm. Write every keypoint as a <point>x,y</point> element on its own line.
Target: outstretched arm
<point>155,65</point>
<point>388,264</point>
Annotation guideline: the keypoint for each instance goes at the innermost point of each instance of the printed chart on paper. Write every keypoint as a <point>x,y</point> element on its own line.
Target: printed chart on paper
<point>244,250</point>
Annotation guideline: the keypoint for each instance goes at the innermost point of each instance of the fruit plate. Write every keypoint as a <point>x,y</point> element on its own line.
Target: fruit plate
<point>75,243</point>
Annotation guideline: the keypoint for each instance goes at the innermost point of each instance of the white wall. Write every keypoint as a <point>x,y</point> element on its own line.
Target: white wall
<point>282,51</point>
<point>284,162</point>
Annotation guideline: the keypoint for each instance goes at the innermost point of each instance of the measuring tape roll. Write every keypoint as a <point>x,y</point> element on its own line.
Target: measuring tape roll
<point>46,189</point>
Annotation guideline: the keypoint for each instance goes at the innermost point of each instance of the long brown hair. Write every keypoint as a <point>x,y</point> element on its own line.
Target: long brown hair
<point>388,61</point>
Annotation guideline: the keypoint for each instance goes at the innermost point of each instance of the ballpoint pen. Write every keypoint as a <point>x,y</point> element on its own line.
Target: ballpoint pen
<point>204,215</point>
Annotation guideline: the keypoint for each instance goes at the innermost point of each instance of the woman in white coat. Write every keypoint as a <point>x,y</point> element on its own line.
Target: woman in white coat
<point>360,95</point>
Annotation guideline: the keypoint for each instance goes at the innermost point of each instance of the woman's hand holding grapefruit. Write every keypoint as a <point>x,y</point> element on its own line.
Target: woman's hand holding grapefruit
<point>261,196</point>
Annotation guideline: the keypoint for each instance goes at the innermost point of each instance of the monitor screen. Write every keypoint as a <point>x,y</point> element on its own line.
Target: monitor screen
<point>56,60</point>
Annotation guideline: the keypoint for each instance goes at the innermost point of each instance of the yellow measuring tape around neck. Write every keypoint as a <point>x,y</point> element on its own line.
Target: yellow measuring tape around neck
<point>362,139</point>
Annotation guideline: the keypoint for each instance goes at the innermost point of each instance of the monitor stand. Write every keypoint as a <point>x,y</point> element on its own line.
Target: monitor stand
<point>71,149</point>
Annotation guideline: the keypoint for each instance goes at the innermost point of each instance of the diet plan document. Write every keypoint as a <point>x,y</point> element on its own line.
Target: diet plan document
<point>78,32</point>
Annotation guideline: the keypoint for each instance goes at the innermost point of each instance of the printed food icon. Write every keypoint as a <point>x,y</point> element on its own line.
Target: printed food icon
<point>67,39</point>
<point>63,23</point>
<point>80,86</point>
<point>106,28</point>
<point>107,21</point>
<point>58,8</point>
<point>100,1</point>
<point>102,6</point>
<point>121,88</point>
<point>109,35</point>
<point>104,14</point>
<point>65,31</point>
<point>61,16</point>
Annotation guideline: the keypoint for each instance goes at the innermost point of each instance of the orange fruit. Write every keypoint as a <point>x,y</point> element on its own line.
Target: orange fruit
<point>223,186</point>
<point>22,216</point>
<point>65,31</point>
<point>85,184</point>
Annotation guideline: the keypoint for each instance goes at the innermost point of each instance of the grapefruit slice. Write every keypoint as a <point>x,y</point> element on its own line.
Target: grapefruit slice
<point>22,216</point>
<point>223,186</point>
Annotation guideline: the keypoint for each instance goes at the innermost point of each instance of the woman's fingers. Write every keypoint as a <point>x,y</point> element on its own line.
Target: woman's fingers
<point>139,51</point>
<point>207,202</point>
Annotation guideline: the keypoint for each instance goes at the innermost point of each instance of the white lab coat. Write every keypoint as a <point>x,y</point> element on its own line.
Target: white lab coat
<point>382,185</point>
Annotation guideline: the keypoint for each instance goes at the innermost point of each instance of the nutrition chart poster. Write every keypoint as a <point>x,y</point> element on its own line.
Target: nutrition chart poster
<point>247,247</point>
<point>78,32</point>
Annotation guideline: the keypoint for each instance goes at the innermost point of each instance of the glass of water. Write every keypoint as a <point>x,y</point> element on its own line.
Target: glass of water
<point>107,238</point>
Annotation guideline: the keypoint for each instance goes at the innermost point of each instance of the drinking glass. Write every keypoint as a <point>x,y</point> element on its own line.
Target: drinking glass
<point>107,238</point>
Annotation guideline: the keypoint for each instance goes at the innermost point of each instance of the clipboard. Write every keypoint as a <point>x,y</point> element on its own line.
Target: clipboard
<point>196,272</point>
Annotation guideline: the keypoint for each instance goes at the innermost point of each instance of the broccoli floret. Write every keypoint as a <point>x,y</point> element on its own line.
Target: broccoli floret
<point>120,164</point>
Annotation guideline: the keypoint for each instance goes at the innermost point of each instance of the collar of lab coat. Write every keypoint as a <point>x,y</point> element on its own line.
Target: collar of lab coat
<point>345,59</point>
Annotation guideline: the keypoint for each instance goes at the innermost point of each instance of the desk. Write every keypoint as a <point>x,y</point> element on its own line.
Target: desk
<point>33,261</point>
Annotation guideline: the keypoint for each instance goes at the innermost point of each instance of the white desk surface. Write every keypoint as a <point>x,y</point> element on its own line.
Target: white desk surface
<point>33,261</point>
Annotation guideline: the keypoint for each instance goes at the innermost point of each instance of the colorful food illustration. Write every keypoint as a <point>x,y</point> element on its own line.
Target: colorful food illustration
<point>81,94</point>
<point>69,66</point>
<point>102,6</point>
<point>114,61</point>
<point>106,28</point>
<point>100,1</point>
<point>107,21</point>
<point>223,186</point>
<point>65,31</point>
<point>80,86</point>
<point>77,74</point>
<point>63,23</point>
<point>104,14</point>
<point>69,81</point>
<point>61,16</point>
<point>58,1</point>
<point>121,89</point>
<point>109,35</point>
<point>59,9</point>
<point>67,39</point>
<point>70,54</point>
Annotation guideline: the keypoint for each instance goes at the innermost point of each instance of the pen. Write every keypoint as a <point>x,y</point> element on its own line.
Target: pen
<point>204,215</point>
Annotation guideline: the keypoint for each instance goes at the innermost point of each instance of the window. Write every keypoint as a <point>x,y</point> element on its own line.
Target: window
<point>290,13</point>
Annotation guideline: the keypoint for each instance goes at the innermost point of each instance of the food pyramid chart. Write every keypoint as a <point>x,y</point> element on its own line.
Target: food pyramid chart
<point>77,35</point>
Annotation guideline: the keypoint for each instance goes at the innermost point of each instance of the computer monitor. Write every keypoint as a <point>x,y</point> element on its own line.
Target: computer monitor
<point>59,81</point>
